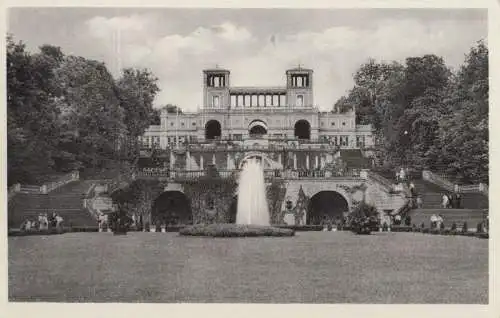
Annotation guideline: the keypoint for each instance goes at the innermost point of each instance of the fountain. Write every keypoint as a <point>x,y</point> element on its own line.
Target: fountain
<point>252,216</point>
<point>252,201</point>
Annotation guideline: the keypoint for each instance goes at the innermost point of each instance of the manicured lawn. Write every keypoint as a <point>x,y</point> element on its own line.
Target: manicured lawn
<point>312,267</point>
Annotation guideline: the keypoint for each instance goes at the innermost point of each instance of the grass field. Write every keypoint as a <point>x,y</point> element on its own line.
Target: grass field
<point>312,267</point>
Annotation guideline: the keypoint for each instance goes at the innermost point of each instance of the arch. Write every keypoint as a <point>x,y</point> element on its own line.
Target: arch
<point>172,207</point>
<point>265,160</point>
<point>326,205</point>
<point>257,127</point>
<point>302,129</point>
<point>213,130</point>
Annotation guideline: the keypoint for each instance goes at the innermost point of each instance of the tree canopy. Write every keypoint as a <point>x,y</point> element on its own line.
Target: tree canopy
<point>67,112</point>
<point>425,115</point>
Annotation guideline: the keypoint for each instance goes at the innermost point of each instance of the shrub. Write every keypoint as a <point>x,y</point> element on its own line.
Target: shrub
<point>479,228</point>
<point>454,226</point>
<point>234,230</point>
<point>408,221</point>
<point>465,228</point>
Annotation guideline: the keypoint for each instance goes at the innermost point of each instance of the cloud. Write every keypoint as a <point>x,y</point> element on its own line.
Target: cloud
<point>334,53</point>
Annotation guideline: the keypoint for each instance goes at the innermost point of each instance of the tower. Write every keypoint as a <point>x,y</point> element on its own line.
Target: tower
<point>299,83</point>
<point>216,88</point>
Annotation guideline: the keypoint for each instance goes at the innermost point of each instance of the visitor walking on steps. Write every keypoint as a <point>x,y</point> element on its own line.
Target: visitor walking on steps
<point>445,202</point>
<point>420,203</point>
<point>402,175</point>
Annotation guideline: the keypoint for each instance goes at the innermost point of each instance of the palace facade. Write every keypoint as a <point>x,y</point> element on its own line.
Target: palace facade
<point>322,156</point>
<point>260,117</point>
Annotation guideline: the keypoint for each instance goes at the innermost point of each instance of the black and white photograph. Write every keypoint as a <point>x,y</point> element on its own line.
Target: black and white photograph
<point>167,155</point>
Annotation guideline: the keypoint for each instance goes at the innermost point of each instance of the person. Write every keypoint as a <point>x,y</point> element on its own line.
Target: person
<point>445,201</point>
<point>434,220</point>
<point>412,189</point>
<point>440,221</point>
<point>397,219</point>
<point>402,175</point>
<point>459,201</point>
<point>420,203</point>
<point>59,221</point>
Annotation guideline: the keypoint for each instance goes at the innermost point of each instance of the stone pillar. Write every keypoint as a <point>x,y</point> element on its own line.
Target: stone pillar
<point>316,162</point>
<point>307,161</point>
<point>213,159</point>
<point>172,159</point>
<point>294,161</point>
<point>279,159</point>
<point>227,161</point>
<point>188,161</point>
<point>201,161</point>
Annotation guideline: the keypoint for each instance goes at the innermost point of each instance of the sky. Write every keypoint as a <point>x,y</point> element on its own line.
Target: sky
<point>256,45</point>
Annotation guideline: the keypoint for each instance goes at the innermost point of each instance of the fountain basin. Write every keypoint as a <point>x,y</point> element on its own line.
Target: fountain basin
<point>234,230</point>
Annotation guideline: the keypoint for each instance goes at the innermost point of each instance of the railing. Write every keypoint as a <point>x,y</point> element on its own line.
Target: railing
<point>13,190</point>
<point>474,188</point>
<point>381,180</point>
<point>148,173</point>
<point>438,180</point>
<point>43,189</point>
<point>88,202</point>
<point>73,176</point>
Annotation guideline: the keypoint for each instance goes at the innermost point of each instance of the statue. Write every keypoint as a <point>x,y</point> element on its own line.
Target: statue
<point>300,207</point>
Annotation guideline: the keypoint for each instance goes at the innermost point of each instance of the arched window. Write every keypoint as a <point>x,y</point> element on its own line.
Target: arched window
<point>213,130</point>
<point>302,129</point>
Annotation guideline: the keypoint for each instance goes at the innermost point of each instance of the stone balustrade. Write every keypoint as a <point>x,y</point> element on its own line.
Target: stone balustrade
<point>177,175</point>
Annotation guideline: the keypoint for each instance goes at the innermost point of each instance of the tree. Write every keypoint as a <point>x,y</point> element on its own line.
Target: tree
<point>32,93</point>
<point>93,119</point>
<point>137,90</point>
<point>173,109</point>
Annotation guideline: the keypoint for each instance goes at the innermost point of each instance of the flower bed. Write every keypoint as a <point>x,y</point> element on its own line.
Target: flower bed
<point>301,228</point>
<point>233,230</point>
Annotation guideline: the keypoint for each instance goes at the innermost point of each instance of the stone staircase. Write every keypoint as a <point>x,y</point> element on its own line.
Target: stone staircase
<point>459,216</point>
<point>67,201</point>
<point>432,194</point>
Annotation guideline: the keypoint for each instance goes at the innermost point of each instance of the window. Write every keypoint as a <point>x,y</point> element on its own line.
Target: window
<point>237,136</point>
<point>300,100</point>
<point>182,124</point>
<point>333,123</point>
<point>322,123</point>
<point>216,101</point>
<point>194,123</point>
<point>343,123</point>
<point>360,141</point>
<point>171,123</point>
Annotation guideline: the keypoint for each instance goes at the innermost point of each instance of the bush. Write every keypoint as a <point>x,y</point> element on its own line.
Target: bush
<point>465,227</point>
<point>401,228</point>
<point>479,228</point>
<point>234,230</point>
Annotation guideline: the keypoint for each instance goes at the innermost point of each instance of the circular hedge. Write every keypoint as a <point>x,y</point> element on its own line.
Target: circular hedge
<point>234,230</point>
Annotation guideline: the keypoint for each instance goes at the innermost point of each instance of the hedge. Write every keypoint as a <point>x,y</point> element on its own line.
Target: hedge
<point>234,230</point>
